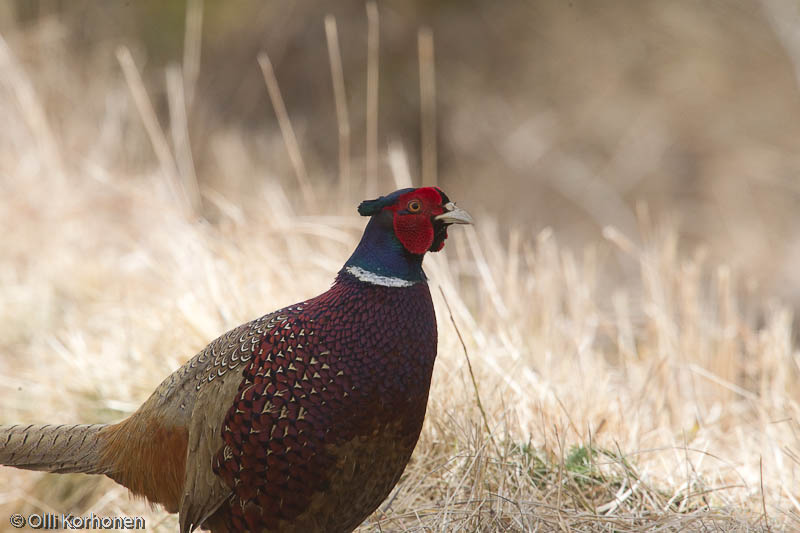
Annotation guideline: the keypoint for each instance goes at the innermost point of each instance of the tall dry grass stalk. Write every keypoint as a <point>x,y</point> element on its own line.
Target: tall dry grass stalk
<point>667,406</point>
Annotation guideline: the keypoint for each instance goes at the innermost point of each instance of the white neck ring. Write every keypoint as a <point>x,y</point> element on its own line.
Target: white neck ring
<point>377,279</point>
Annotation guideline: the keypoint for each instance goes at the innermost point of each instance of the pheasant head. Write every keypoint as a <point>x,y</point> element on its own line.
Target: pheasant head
<point>404,225</point>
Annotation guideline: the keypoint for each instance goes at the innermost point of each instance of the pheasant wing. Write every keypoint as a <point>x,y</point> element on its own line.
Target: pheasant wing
<point>217,380</point>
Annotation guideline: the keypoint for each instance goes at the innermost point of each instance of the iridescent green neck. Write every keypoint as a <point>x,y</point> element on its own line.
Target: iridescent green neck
<point>381,253</point>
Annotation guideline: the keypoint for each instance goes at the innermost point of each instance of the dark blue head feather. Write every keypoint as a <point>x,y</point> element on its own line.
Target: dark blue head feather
<point>367,208</point>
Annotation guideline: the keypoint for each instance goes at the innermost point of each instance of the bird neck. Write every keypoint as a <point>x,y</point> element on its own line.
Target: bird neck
<point>381,259</point>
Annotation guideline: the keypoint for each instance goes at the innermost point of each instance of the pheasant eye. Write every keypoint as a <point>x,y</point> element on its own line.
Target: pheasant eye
<point>414,206</point>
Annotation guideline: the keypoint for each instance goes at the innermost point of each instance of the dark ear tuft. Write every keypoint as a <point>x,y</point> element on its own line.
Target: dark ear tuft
<point>373,207</point>
<point>367,208</point>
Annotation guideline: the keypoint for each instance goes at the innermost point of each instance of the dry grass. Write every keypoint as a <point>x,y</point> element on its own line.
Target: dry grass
<point>661,404</point>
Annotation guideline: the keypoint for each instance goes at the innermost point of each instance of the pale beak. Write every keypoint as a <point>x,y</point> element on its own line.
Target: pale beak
<point>454,215</point>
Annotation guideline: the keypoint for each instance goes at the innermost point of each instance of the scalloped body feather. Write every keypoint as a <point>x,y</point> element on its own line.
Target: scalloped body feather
<point>330,409</point>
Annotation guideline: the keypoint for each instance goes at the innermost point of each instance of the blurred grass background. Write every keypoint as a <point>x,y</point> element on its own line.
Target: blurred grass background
<point>615,155</point>
<point>560,114</point>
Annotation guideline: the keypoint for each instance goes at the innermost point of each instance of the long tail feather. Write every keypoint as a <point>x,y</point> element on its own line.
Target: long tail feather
<point>60,449</point>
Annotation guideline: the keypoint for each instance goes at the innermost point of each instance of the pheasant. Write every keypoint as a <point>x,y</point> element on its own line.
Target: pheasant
<point>302,420</point>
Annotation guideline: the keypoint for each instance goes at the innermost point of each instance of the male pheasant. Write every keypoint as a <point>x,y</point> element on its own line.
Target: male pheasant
<point>299,421</point>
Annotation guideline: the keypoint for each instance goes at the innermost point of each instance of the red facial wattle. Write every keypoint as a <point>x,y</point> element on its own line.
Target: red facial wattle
<point>415,232</point>
<point>415,229</point>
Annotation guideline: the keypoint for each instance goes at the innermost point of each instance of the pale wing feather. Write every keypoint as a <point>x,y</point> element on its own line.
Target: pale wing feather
<point>204,491</point>
<point>213,391</point>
